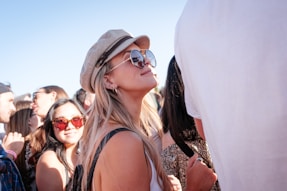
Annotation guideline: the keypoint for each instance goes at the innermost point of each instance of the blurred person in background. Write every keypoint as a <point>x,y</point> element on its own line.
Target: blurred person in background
<point>24,121</point>
<point>12,144</point>
<point>85,99</point>
<point>43,99</point>
<point>64,127</point>
<point>181,139</point>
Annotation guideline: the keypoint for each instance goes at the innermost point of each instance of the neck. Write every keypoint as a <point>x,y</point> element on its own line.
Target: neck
<point>71,153</point>
<point>133,104</point>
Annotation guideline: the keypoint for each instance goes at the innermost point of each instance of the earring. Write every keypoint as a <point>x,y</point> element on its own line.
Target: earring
<point>115,90</point>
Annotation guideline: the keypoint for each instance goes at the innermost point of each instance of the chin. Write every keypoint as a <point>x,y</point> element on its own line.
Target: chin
<point>151,86</point>
<point>154,82</point>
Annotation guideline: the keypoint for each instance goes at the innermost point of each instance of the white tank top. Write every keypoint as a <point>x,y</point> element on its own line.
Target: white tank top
<point>154,184</point>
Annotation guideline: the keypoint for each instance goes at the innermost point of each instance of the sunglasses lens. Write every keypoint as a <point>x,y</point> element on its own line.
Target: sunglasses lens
<point>61,123</point>
<point>151,57</point>
<point>77,122</point>
<point>137,59</point>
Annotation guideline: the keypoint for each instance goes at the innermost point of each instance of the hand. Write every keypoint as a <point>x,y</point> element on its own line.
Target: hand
<point>13,141</point>
<point>198,176</point>
<point>175,183</point>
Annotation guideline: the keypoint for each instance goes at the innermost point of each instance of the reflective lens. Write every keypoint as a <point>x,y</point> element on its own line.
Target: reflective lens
<point>138,58</point>
<point>61,123</point>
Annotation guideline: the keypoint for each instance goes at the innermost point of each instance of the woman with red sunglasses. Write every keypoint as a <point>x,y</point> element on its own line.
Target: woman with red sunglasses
<point>63,127</point>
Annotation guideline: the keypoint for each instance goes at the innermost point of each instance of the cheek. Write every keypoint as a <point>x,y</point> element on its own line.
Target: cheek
<point>1,110</point>
<point>34,118</point>
<point>81,130</point>
<point>37,101</point>
<point>127,77</point>
<point>43,102</point>
<point>58,134</point>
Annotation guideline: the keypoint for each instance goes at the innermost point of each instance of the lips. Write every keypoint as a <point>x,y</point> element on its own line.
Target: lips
<point>35,109</point>
<point>69,133</point>
<point>146,72</point>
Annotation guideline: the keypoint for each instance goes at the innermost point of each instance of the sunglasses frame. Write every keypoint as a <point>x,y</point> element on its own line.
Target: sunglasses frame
<point>144,55</point>
<point>67,121</point>
<point>35,95</point>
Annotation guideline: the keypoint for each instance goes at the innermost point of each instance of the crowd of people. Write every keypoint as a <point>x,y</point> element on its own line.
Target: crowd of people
<point>58,131</point>
<point>203,131</point>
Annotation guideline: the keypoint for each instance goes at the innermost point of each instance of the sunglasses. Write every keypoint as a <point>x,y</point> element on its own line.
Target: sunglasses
<point>61,123</point>
<point>35,95</point>
<point>137,58</point>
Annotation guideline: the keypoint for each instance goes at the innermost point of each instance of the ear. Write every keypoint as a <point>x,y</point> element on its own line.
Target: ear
<point>108,82</point>
<point>54,94</point>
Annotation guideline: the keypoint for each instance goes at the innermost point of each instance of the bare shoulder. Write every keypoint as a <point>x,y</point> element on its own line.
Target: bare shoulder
<point>49,172</point>
<point>125,141</point>
<point>48,158</point>
<point>124,156</point>
<point>128,133</point>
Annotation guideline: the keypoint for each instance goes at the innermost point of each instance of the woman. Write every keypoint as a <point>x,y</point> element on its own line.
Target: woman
<point>181,139</point>
<point>43,99</point>
<point>119,70</point>
<point>24,121</point>
<point>46,96</point>
<point>63,127</point>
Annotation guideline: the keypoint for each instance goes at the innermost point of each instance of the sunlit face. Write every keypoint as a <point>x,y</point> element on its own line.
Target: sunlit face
<point>130,78</point>
<point>7,107</point>
<point>70,135</point>
<point>42,102</point>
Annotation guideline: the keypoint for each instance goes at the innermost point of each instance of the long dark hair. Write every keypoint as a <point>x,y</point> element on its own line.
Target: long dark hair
<point>173,114</point>
<point>52,143</point>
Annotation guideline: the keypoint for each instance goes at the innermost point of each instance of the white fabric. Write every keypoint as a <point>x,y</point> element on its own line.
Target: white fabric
<point>233,58</point>
<point>154,184</point>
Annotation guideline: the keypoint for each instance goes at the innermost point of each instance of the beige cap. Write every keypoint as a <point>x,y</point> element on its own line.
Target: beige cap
<point>108,46</point>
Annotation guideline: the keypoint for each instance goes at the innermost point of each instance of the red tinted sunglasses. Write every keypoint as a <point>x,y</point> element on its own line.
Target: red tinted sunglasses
<point>61,123</point>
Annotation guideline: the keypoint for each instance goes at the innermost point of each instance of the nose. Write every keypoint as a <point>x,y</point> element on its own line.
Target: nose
<point>70,125</point>
<point>33,105</point>
<point>147,61</point>
<point>13,108</point>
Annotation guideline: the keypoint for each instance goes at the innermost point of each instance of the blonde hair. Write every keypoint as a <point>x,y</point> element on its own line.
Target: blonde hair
<point>107,106</point>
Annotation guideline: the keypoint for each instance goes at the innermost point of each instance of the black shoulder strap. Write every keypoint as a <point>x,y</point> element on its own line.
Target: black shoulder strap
<point>99,149</point>
<point>185,148</point>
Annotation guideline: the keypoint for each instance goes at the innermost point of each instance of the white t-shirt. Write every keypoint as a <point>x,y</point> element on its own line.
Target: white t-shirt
<point>233,59</point>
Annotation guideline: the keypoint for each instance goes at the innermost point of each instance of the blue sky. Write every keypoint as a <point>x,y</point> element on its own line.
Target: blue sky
<point>45,42</point>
